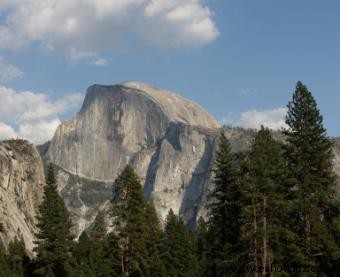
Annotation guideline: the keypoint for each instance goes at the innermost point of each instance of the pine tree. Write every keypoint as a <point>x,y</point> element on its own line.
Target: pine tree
<point>17,258</point>
<point>97,236</point>
<point>265,235</point>
<point>309,155</point>
<point>82,255</point>
<point>102,248</point>
<point>224,210</point>
<point>202,246</point>
<point>112,255</point>
<point>155,264</point>
<point>129,221</point>
<point>54,239</point>
<point>178,253</point>
<point>4,268</point>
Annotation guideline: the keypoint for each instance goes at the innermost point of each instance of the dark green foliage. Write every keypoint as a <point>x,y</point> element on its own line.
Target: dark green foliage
<point>155,264</point>
<point>265,236</point>
<point>82,254</point>
<point>309,155</point>
<point>97,254</point>
<point>17,258</point>
<point>112,255</point>
<point>100,256</point>
<point>178,248</point>
<point>94,193</point>
<point>202,245</point>
<point>4,268</point>
<point>54,239</point>
<point>129,216</point>
<point>224,210</point>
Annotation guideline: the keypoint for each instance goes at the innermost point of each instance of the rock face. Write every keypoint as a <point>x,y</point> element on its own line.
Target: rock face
<point>168,139</point>
<point>21,189</point>
<point>337,162</point>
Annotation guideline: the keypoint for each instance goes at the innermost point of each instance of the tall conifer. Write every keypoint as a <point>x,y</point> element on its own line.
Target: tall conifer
<point>129,221</point>
<point>17,257</point>
<point>266,236</point>
<point>178,253</point>
<point>224,210</point>
<point>309,154</point>
<point>54,239</point>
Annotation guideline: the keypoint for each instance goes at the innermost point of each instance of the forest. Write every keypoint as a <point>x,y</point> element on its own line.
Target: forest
<point>272,210</point>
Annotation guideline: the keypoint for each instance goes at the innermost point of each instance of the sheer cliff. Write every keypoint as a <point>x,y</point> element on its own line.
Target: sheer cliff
<point>21,189</point>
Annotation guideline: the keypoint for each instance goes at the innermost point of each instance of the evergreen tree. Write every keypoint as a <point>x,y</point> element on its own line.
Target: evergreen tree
<point>178,251</point>
<point>97,236</point>
<point>224,210</point>
<point>4,268</point>
<point>17,257</point>
<point>129,221</point>
<point>54,239</point>
<point>309,155</point>
<point>82,255</point>
<point>112,255</point>
<point>155,264</point>
<point>265,236</point>
<point>104,248</point>
<point>202,245</point>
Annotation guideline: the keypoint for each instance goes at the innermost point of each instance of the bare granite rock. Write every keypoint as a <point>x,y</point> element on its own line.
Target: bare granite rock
<point>21,189</point>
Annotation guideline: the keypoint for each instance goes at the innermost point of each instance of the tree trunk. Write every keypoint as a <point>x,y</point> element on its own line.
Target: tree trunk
<point>255,236</point>
<point>307,224</point>
<point>265,239</point>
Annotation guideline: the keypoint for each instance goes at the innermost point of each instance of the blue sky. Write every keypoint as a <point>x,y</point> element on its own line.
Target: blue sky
<point>241,62</point>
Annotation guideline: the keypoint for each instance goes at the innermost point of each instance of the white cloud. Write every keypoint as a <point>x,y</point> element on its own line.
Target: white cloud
<point>83,28</point>
<point>100,62</point>
<point>33,116</point>
<point>273,119</point>
<point>8,72</point>
<point>248,92</point>
<point>91,57</point>
<point>39,132</point>
<point>7,131</point>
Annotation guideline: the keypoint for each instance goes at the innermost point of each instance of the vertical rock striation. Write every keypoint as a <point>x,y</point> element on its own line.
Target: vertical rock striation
<point>21,189</point>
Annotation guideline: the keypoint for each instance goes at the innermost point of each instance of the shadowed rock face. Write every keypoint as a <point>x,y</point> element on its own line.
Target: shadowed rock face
<point>21,189</point>
<point>168,139</point>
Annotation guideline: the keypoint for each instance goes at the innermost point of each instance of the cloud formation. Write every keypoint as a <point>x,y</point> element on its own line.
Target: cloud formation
<point>273,119</point>
<point>8,72</point>
<point>33,116</point>
<point>83,28</point>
